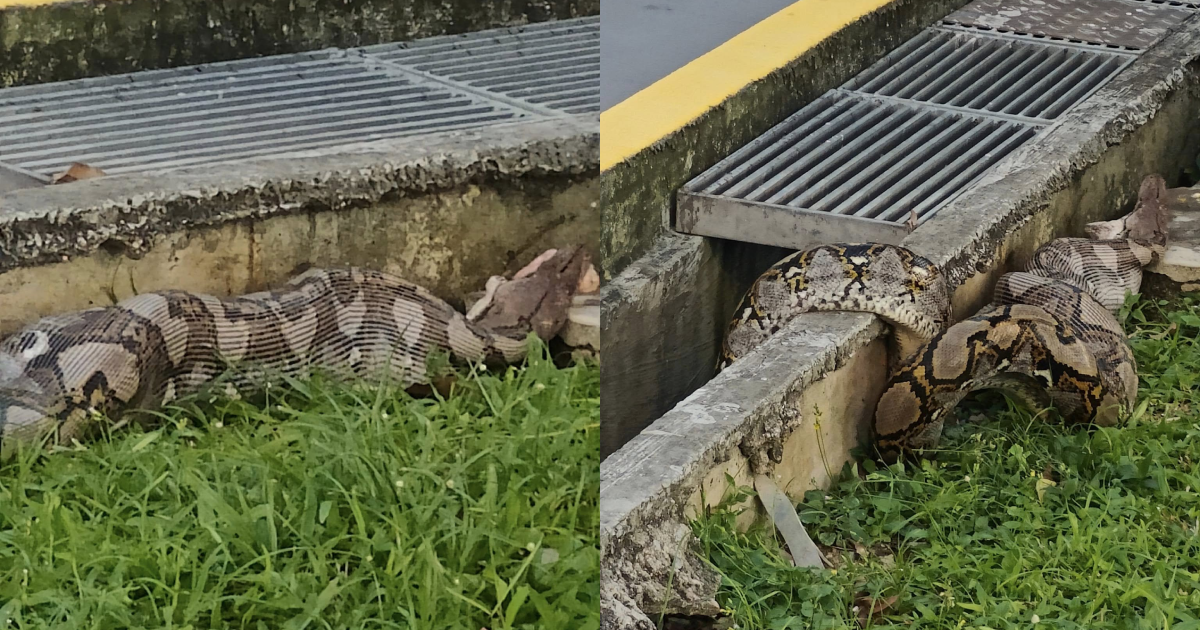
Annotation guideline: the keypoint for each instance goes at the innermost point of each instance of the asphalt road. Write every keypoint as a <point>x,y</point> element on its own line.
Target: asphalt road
<point>642,41</point>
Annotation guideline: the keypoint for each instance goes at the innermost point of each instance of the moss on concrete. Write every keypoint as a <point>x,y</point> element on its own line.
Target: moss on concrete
<point>72,40</point>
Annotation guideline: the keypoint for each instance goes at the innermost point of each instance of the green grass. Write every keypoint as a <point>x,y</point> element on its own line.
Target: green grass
<point>1016,523</point>
<point>326,507</point>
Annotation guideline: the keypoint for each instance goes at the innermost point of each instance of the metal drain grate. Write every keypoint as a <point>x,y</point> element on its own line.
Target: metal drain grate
<point>555,64</point>
<point>1119,23</point>
<point>223,112</point>
<point>1000,76</point>
<point>846,167</point>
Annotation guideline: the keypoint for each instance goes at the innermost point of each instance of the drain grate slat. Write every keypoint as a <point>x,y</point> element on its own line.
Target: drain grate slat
<point>531,60</point>
<point>742,164</point>
<point>989,74</point>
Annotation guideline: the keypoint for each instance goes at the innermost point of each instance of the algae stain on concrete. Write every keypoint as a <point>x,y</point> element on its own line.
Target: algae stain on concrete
<point>449,242</point>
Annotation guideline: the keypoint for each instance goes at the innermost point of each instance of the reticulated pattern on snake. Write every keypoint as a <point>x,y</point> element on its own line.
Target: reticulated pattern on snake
<point>63,373</point>
<point>1049,338</point>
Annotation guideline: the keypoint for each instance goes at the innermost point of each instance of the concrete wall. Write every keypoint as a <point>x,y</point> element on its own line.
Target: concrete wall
<point>76,39</point>
<point>444,210</point>
<point>671,295</point>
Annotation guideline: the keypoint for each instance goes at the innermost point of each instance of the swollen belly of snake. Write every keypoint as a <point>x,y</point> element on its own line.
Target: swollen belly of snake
<point>1049,337</point>
<point>62,373</point>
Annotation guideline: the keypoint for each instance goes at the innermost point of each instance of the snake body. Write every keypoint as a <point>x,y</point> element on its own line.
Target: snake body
<point>62,373</point>
<point>1049,338</point>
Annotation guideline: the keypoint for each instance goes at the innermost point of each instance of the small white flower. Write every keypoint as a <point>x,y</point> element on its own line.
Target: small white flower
<point>1036,619</point>
<point>967,479</point>
<point>854,610</point>
<point>539,386</point>
<point>384,415</point>
<point>370,558</point>
<point>827,497</point>
<point>450,483</point>
<point>530,547</point>
<point>399,483</point>
<point>218,424</point>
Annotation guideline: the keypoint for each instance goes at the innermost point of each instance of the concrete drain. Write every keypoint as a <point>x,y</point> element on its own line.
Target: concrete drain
<point>273,106</point>
<point>866,161</point>
<point>554,64</point>
<point>921,125</point>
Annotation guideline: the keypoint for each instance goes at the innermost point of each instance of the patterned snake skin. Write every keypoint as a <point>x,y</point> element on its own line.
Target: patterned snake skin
<point>1049,338</point>
<point>64,373</point>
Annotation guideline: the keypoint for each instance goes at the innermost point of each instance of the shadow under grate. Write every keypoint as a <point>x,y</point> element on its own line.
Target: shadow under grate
<point>846,167</point>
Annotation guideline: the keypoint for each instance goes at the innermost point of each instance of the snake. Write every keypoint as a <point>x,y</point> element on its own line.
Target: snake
<point>1049,337</point>
<point>63,376</point>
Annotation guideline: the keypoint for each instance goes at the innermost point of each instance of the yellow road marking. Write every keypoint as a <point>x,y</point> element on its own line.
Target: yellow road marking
<point>664,107</point>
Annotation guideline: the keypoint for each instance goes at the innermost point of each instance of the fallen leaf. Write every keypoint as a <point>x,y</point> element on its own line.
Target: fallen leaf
<point>589,281</point>
<point>913,218</point>
<point>861,549</point>
<point>77,172</point>
<point>1043,484</point>
<point>869,609</point>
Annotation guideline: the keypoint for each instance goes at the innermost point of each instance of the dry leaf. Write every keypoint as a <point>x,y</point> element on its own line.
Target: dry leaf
<point>1043,484</point>
<point>913,218</point>
<point>869,609</point>
<point>589,280</point>
<point>77,172</point>
<point>861,549</point>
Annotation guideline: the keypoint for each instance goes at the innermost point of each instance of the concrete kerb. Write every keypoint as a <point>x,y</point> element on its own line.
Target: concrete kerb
<point>1086,167</point>
<point>293,205</point>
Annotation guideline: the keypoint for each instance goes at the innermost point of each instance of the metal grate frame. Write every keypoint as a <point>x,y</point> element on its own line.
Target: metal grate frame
<point>273,106</point>
<point>846,167</point>
<point>898,141</point>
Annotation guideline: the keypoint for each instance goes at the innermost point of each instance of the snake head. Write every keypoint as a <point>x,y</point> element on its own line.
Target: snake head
<point>538,300</point>
<point>1146,225</point>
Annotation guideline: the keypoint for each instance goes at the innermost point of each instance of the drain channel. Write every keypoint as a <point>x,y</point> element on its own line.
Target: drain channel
<point>921,125</point>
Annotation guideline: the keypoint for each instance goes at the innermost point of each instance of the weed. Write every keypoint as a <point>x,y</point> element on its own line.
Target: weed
<point>1016,522</point>
<point>324,506</point>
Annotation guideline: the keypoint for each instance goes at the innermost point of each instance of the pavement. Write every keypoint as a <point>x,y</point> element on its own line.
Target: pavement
<point>642,41</point>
